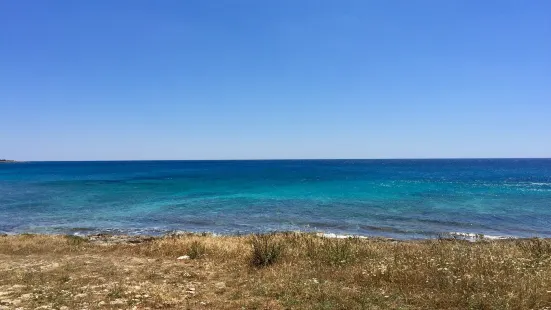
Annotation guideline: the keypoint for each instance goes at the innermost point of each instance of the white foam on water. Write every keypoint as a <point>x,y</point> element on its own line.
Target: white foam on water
<point>475,237</point>
<point>336,236</point>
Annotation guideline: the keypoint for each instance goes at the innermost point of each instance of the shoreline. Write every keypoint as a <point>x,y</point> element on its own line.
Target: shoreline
<point>109,234</point>
<point>113,238</point>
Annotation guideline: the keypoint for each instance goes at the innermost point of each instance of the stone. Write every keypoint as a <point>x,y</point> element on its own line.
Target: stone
<point>117,302</point>
<point>190,290</point>
<point>183,257</point>
<point>220,285</point>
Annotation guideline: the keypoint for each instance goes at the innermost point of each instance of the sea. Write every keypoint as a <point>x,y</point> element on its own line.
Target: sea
<point>402,199</point>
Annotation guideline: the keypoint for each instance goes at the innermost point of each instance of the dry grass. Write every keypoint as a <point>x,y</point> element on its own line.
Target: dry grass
<point>307,272</point>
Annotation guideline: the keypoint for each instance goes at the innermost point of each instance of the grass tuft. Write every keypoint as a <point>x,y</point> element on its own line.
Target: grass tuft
<point>330,250</point>
<point>75,240</point>
<point>196,249</point>
<point>266,250</point>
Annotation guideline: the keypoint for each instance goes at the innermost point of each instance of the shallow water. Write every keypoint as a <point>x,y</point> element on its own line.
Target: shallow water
<point>391,198</point>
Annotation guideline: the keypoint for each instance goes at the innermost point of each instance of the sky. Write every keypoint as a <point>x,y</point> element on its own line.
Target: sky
<point>249,79</point>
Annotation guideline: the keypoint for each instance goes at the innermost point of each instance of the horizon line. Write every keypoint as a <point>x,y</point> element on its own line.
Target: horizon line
<point>285,159</point>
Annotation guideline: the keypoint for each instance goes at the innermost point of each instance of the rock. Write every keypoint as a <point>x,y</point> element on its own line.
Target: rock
<point>183,257</point>
<point>190,290</point>
<point>220,285</point>
<point>117,302</point>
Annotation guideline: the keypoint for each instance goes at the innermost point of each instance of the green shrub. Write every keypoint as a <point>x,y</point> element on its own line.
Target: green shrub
<point>196,250</point>
<point>266,250</point>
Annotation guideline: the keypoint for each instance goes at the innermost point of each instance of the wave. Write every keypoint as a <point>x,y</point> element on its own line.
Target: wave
<point>337,236</point>
<point>456,235</point>
<point>476,237</point>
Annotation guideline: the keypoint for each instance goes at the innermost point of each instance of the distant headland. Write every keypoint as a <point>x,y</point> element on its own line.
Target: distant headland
<point>7,161</point>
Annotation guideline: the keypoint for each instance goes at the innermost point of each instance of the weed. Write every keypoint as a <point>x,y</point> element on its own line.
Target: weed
<point>266,250</point>
<point>115,292</point>
<point>196,250</point>
<point>75,240</point>
<point>330,251</point>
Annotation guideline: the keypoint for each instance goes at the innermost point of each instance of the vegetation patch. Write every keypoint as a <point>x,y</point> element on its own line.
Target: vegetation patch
<point>291,271</point>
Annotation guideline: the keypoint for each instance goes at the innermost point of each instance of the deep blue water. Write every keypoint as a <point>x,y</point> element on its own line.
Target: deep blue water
<point>392,198</point>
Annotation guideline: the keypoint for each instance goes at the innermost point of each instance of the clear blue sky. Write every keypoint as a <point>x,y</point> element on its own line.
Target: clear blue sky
<point>234,79</point>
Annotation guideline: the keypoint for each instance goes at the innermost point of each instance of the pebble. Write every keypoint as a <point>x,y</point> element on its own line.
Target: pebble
<point>183,257</point>
<point>191,290</point>
<point>117,302</point>
<point>220,285</point>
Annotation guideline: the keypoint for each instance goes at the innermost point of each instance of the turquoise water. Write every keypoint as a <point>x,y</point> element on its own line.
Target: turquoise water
<point>391,198</point>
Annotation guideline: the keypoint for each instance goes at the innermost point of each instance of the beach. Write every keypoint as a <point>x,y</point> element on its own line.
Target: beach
<point>281,271</point>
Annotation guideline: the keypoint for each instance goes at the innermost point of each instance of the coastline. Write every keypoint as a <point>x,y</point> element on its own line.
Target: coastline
<point>142,234</point>
<point>277,271</point>
<point>111,238</point>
